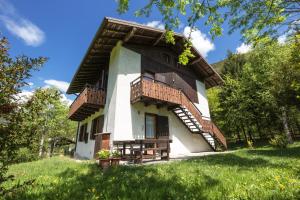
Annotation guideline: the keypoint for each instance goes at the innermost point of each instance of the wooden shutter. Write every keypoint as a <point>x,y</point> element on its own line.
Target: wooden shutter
<point>81,133</point>
<point>95,123</point>
<point>162,126</point>
<point>86,134</point>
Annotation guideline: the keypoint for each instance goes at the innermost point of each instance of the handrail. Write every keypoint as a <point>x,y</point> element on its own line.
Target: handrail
<point>86,86</point>
<point>157,81</point>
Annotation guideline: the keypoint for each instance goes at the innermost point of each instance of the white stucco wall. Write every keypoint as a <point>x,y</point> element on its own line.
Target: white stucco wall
<point>183,140</point>
<point>203,101</point>
<point>86,150</point>
<point>124,67</point>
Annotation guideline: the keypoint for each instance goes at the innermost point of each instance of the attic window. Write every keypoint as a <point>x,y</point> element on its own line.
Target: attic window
<point>166,58</point>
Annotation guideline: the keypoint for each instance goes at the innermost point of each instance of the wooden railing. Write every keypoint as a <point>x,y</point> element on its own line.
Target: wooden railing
<point>147,87</point>
<point>89,97</point>
<point>207,125</point>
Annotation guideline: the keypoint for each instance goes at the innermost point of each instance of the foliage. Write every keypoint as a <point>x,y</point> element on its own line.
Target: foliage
<point>13,75</point>
<point>185,56</point>
<point>244,174</point>
<point>258,98</point>
<point>279,141</point>
<point>103,154</point>
<point>257,20</point>
<point>25,154</point>
<point>250,144</point>
<point>116,154</point>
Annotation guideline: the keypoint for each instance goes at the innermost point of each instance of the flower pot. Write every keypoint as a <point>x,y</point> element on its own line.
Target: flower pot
<point>104,163</point>
<point>115,161</point>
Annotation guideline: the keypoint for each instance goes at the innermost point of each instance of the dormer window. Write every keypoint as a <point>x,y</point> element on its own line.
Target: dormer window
<point>166,58</point>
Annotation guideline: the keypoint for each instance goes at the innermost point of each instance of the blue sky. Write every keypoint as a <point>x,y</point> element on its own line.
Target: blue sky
<point>63,29</point>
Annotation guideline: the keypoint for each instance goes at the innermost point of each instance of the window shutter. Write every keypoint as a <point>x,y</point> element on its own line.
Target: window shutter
<point>86,134</point>
<point>162,126</point>
<point>81,132</point>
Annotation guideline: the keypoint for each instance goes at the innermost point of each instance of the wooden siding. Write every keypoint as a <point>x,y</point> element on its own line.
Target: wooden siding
<point>88,102</point>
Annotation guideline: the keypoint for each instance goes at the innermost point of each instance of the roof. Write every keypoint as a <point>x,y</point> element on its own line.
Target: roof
<point>113,30</point>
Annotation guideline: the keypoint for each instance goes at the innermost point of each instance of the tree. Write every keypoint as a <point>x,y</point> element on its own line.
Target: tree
<point>13,75</point>
<point>255,19</point>
<point>261,98</point>
<point>46,115</point>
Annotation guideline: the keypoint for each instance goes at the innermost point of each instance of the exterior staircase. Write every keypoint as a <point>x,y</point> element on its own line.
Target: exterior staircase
<point>192,118</point>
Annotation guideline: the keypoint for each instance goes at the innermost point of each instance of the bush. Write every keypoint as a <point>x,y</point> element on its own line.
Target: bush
<point>25,155</point>
<point>116,154</point>
<point>103,154</point>
<point>279,141</point>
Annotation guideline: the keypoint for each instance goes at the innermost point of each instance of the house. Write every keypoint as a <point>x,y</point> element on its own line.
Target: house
<point>132,90</point>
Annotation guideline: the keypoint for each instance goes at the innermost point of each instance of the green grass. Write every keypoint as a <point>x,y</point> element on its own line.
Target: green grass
<point>262,173</point>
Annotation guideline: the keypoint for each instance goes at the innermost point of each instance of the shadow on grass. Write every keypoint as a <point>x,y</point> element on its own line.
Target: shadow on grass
<point>124,182</point>
<point>232,160</point>
<point>290,152</point>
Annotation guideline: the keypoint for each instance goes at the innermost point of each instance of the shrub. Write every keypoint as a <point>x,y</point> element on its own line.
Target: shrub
<point>279,141</point>
<point>25,155</point>
<point>116,154</point>
<point>103,154</point>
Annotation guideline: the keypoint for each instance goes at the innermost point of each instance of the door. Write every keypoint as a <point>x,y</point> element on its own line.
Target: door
<point>162,127</point>
<point>97,128</point>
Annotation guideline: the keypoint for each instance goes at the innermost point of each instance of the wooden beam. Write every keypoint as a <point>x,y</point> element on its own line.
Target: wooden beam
<point>114,31</point>
<point>159,39</point>
<point>102,45</point>
<point>129,35</point>
<point>195,61</point>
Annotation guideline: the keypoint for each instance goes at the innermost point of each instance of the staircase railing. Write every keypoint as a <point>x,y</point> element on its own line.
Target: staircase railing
<point>207,125</point>
<point>150,87</point>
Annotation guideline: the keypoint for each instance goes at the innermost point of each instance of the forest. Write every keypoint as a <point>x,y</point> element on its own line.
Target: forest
<point>260,98</point>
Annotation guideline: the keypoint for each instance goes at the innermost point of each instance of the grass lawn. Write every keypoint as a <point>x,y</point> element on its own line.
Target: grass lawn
<point>262,173</point>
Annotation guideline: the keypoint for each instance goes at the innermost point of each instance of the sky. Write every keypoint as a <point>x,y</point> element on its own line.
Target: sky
<point>63,29</point>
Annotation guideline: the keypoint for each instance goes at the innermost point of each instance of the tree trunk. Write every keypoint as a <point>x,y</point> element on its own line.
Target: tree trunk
<point>246,138</point>
<point>259,129</point>
<point>286,125</point>
<point>250,134</point>
<point>41,146</point>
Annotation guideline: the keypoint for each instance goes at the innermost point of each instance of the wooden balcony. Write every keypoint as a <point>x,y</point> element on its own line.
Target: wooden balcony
<point>87,103</point>
<point>154,92</point>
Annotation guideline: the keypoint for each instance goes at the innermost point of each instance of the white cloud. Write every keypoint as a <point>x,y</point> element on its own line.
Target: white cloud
<point>200,41</point>
<point>65,99</point>
<point>243,48</point>
<point>61,85</point>
<point>156,24</point>
<point>282,39</point>
<point>31,34</point>
<point>23,96</point>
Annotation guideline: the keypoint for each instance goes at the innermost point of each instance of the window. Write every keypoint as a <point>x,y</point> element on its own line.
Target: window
<point>150,126</point>
<point>156,126</point>
<point>166,58</point>
<point>97,126</point>
<point>149,76</point>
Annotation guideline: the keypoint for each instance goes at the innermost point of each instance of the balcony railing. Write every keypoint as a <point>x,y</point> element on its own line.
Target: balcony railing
<point>150,89</point>
<point>89,101</point>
